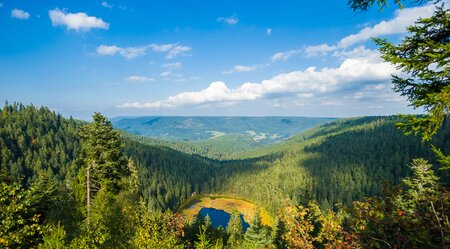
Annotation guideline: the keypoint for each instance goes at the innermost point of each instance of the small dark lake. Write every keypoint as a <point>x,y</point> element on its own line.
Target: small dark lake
<point>221,218</point>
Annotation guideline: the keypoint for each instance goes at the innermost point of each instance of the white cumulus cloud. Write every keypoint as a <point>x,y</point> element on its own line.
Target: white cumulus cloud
<point>358,52</point>
<point>19,14</point>
<point>350,73</point>
<point>76,21</point>
<point>397,25</point>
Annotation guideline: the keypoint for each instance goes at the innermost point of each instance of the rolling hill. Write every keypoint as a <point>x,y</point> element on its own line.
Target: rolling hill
<point>216,137</point>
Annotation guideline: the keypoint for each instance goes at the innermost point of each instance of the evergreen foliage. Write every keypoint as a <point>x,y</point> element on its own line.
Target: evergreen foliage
<point>257,236</point>
<point>102,153</point>
<point>235,231</point>
<point>20,223</point>
<point>36,140</point>
<point>343,161</point>
<point>416,217</point>
<point>423,56</point>
<point>365,5</point>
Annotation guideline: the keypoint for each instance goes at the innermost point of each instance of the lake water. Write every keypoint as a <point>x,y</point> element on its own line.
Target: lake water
<point>221,218</point>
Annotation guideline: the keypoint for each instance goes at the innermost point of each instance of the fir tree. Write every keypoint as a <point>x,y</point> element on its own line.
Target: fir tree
<point>277,234</point>
<point>257,236</point>
<point>102,151</point>
<point>235,231</point>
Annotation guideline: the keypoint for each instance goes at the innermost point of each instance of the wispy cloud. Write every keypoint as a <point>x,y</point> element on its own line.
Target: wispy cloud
<point>240,69</point>
<point>106,5</point>
<point>76,21</point>
<point>171,50</point>
<point>161,47</point>
<point>128,53</point>
<point>1,5</point>
<point>282,56</point>
<point>19,14</point>
<point>232,20</point>
<point>172,66</point>
<point>139,79</point>
<point>165,74</point>
<point>322,49</point>
<point>177,50</point>
<point>269,31</point>
<point>351,72</point>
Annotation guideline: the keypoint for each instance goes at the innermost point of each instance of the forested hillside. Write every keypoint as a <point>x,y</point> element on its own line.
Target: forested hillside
<point>339,162</point>
<point>43,170</point>
<point>37,141</point>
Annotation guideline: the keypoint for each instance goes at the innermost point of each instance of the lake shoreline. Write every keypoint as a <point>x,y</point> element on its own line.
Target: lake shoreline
<point>225,203</point>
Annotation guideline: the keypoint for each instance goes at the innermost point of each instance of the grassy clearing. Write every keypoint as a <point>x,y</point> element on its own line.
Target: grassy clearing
<point>227,204</point>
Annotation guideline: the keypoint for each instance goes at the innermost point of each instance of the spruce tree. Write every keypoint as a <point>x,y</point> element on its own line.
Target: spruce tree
<point>105,164</point>
<point>203,239</point>
<point>257,236</point>
<point>423,56</point>
<point>235,231</point>
<point>277,234</point>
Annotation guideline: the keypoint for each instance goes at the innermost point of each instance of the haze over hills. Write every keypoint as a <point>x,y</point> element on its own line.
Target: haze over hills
<point>260,130</point>
<point>215,137</point>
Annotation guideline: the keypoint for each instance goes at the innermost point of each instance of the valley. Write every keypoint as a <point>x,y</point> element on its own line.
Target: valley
<point>216,137</point>
<point>335,164</point>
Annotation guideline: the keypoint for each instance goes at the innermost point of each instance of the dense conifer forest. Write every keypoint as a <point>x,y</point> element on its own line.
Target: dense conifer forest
<point>330,167</point>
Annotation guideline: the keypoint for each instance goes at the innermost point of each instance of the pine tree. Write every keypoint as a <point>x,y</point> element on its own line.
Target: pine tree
<point>277,234</point>
<point>235,231</point>
<point>257,236</point>
<point>54,237</point>
<point>207,222</point>
<point>203,240</point>
<point>105,163</point>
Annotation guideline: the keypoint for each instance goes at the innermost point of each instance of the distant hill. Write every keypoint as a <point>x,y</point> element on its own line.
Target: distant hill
<point>222,135</point>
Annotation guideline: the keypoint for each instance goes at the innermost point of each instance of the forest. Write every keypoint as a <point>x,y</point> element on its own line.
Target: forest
<point>363,182</point>
<point>333,167</point>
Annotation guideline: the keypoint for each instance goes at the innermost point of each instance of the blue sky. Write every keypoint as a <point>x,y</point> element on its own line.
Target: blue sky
<point>300,58</point>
